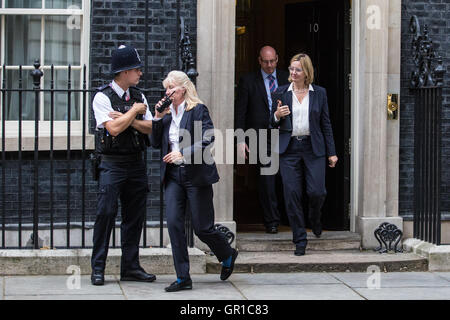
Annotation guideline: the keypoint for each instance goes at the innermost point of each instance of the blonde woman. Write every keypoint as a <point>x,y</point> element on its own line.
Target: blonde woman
<point>306,143</point>
<point>186,181</point>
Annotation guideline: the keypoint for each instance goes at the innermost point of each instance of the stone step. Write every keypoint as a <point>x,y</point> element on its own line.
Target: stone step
<point>282,241</point>
<point>321,261</point>
<point>67,261</point>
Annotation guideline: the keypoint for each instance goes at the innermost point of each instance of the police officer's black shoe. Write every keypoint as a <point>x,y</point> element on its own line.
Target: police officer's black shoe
<point>227,271</point>
<point>137,275</point>
<point>97,278</point>
<point>177,286</point>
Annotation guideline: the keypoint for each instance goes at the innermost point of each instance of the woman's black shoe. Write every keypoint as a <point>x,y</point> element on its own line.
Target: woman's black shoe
<point>177,286</point>
<point>227,271</point>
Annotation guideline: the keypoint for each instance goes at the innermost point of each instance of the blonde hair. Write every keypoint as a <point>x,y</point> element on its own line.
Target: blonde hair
<point>179,78</point>
<point>307,66</point>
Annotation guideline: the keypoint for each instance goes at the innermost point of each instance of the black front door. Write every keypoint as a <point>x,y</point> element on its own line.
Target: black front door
<point>322,30</point>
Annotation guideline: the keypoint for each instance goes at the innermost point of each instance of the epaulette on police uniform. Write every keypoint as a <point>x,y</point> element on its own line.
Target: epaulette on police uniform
<point>103,87</point>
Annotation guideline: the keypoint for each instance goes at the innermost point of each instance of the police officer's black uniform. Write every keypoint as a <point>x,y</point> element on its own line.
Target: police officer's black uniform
<point>121,175</point>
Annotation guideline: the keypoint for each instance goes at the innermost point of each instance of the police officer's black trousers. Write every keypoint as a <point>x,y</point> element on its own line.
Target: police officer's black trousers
<point>127,181</point>
<point>179,191</point>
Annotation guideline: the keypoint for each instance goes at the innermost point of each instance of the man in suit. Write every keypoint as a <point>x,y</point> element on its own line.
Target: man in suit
<point>252,111</point>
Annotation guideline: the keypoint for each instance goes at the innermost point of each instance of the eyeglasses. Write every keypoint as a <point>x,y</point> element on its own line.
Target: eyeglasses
<point>297,70</point>
<point>269,61</point>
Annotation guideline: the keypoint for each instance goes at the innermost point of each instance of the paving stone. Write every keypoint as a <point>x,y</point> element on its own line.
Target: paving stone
<point>69,297</point>
<point>298,292</point>
<point>414,293</point>
<point>394,279</point>
<point>283,279</point>
<point>57,285</point>
<point>204,289</point>
<point>278,286</point>
<point>445,275</point>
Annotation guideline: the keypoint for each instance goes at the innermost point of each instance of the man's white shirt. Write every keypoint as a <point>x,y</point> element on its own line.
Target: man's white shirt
<point>102,105</point>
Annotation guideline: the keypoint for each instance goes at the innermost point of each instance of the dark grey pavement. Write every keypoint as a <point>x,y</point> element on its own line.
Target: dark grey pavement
<point>240,286</point>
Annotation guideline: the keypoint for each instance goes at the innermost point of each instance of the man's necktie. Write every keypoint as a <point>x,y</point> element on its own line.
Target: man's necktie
<point>272,84</point>
<point>124,97</point>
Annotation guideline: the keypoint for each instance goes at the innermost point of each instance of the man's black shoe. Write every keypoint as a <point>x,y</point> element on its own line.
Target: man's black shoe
<point>98,278</point>
<point>227,271</point>
<point>299,251</point>
<point>317,230</point>
<point>137,275</point>
<point>271,230</point>
<point>177,286</point>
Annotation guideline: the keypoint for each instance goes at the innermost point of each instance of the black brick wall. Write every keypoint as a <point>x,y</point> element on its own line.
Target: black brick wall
<point>436,14</point>
<point>113,23</point>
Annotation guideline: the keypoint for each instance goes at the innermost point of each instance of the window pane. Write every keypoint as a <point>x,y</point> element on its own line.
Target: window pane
<point>62,42</point>
<point>23,3</point>
<point>60,98</point>
<point>12,98</point>
<point>63,4</point>
<point>23,39</point>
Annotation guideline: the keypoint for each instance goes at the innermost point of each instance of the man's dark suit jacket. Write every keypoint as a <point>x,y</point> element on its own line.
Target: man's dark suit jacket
<point>319,121</point>
<point>252,106</point>
<point>201,174</point>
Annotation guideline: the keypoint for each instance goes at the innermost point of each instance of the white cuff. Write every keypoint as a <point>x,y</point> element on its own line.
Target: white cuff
<point>275,117</point>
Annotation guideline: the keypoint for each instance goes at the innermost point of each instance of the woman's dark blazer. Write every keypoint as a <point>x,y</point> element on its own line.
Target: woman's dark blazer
<point>203,173</point>
<point>319,121</point>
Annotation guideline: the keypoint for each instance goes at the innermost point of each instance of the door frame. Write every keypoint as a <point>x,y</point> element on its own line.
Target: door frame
<point>213,11</point>
<point>355,125</point>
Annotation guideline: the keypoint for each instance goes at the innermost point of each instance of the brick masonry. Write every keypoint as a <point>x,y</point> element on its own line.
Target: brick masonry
<point>436,14</point>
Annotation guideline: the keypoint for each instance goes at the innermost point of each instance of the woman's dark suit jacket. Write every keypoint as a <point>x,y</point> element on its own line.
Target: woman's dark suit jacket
<point>204,173</point>
<point>319,121</point>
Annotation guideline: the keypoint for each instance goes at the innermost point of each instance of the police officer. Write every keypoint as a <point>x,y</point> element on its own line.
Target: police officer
<point>123,124</point>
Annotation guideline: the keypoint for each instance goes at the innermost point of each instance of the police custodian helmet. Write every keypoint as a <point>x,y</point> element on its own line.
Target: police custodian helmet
<point>125,58</point>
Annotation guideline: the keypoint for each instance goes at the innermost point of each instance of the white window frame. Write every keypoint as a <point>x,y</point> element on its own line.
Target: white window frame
<point>59,127</point>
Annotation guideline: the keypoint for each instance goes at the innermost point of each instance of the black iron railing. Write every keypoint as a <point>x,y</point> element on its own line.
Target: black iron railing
<point>37,74</point>
<point>427,84</point>
<point>76,169</point>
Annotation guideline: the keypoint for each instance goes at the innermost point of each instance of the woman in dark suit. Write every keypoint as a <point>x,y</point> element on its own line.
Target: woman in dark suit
<point>188,176</point>
<point>305,143</point>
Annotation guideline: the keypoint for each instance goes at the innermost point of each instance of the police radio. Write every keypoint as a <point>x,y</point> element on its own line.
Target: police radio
<point>166,103</point>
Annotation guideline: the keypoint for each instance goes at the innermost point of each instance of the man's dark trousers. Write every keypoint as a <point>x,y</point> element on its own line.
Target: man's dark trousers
<point>299,163</point>
<point>127,181</point>
<point>178,191</point>
<point>266,189</point>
